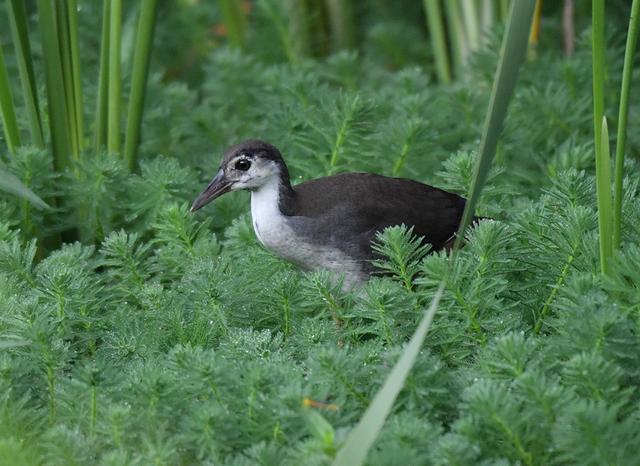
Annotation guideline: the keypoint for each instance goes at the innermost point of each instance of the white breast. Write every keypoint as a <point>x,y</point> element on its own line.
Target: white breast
<point>274,232</point>
<point>268,222</point>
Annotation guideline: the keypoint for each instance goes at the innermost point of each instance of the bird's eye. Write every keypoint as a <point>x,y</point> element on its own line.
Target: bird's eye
<point>243,164</point>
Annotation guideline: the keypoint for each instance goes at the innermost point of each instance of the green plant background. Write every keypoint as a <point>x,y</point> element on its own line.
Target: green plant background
<point>168,338</point>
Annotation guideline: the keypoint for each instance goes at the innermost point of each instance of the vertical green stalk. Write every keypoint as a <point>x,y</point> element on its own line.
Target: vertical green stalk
<point>341,18</point>
<point>20,37</point>
<point>457,35</point>
<point>67,73</point>
<point>7,109</point>
<point>234,20</point>
<point>597,37</point>
<point>535,27</point>
<point>115,29</point>
<point>603,186</point>
<point>300,25</point>
<point>629,52</point>
<point>470,16</point>
<point>504,9</point>
<point>72,14</point>
<point>100,136</point>
<point>142,54</point>
<point>58,117</point>
<point>597,33</point>
<point>487,14</point>
<point>434,20</point>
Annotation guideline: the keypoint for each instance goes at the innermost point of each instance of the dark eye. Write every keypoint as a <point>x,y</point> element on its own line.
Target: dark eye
<point>243,164</point>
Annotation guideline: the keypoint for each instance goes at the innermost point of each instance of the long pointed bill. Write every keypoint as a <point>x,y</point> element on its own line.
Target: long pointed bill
<point>216,188</point>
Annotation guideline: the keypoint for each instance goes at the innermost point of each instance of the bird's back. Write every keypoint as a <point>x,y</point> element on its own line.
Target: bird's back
<point>347,210</point>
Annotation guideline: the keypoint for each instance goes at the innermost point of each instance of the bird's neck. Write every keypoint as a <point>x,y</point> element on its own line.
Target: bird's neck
<point>272,198</point>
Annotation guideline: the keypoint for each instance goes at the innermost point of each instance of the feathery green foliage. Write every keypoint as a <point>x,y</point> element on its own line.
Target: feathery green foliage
<point>623,114</point>
<point>7,110</point>
<point>167,337</point>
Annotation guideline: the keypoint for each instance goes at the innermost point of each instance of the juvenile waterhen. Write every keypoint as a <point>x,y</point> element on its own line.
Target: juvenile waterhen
<point>328,223</point>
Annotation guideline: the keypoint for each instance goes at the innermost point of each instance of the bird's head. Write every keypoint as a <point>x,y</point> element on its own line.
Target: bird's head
<point>249,165</point>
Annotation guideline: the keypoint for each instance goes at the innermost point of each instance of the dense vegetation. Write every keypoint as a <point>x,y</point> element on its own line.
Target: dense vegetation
<point>133,332</point>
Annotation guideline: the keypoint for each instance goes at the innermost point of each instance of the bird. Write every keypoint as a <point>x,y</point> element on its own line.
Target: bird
<point>330,222</point>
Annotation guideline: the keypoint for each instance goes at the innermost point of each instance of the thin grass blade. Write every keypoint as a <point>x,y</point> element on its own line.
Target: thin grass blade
<point>7,109</point>
<point>20,36</point>
<point>58,117</point>
<point>602,167</point>
<point>632,39</point>
<point>603,186</point>
<point>142,55</point>
<point>436,31</point>
<point>74,53</point>
<point>115,29</point>
<point>355,449</point>
<point>457,36</point>
<point>471,23</point>
<point>100,130</point>
<point>67,73</point>
<point>10,184</point>
<point>512,54</point>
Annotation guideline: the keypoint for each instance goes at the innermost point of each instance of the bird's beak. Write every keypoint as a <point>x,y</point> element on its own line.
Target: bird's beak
<point>218,186</point>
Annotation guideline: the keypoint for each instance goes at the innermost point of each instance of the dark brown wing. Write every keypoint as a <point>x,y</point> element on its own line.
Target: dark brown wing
<point>350,208</point>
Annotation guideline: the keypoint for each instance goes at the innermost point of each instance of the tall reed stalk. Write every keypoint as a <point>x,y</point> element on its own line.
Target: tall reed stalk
<point>20,37</point>
<point>7,109</point>
<point>56,91</point>
<point>141,58</point>
<point>603,191</point>
<point>436,31</point>
<point>102,103</point>
<point>114,99</point>
<point>632,39</point>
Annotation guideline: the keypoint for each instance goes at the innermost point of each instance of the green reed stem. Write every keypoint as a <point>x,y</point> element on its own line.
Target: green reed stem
<point>74,53</point>
<point>62,30</point>
<point>20,37</point>
<point>102,103</point>
<point>599,129</point>
<point>114,99</point>
<point>142,55</point>
<point>632,39</point>
<point>457,35</point>
<point>58,116</point>
<point>7,109</point>
<point>434,20</point>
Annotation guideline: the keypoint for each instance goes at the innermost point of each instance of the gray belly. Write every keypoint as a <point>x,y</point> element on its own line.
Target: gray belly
<point>281,240</point>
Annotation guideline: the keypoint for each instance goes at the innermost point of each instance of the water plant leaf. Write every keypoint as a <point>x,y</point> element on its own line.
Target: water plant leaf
<point>10,184</point>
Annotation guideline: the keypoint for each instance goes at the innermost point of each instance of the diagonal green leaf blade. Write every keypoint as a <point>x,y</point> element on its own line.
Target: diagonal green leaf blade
<point>512,54</point>
<point>10,184</point>
<point>20,37</point>
<point>362,437</point>
<point>7,109</point>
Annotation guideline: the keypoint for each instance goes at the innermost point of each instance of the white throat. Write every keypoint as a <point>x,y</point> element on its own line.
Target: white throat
<point>267,219</point>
